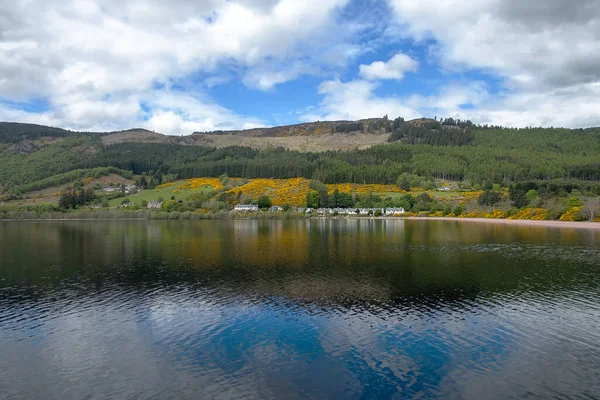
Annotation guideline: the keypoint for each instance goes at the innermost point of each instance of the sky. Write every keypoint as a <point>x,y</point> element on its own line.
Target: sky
<point>181,66</point>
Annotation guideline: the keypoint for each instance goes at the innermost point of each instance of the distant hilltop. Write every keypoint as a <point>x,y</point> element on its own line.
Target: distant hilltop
<point>309,136</point>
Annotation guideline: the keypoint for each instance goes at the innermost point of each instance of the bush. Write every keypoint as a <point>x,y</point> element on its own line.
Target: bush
<point>264,202</point>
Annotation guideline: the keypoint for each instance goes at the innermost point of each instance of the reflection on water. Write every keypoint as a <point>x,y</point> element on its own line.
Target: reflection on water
<point>300,309</point>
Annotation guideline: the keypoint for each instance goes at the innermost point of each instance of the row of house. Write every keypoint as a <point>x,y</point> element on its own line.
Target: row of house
<point>253,208</point>
<point>323,211</point>
<point>354,211</point>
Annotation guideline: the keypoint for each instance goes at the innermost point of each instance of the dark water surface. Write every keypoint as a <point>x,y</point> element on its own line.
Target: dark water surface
<point>298,309</point>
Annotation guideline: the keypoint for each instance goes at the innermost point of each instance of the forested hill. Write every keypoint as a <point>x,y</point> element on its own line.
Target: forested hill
<point>447,149</point>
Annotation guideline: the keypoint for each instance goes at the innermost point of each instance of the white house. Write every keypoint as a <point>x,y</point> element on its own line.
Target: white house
<point>154,204</point>
<point>246,208</point>
<point>394,211</point>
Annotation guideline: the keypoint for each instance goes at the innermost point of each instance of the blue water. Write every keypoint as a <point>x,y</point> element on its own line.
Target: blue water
<point>298,309</point>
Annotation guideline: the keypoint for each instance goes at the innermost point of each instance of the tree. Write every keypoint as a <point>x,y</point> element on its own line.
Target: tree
<point>404,184</point>
<point>286,207</point>
<point>142,182</point>
<point>424,198</point>
<point>518,195</point>
<point>532,194</point>
<point>224,179</point>
<point>574,202</point>
<point>264,202</point>
<point>591,209</point>
<point>488,198</point>
<point>345,200</point>
<point>312,199</point>
<point>322,190</point>
<point>335,197</point>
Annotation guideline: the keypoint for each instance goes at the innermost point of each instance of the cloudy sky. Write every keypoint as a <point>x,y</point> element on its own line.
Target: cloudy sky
<point>185,65</point>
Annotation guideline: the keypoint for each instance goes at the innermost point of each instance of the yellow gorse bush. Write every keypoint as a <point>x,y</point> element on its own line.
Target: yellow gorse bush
<point>471,195</point>
<point>570,215</point>
<point>281,191</point>
<point>363,188</point>
<point>197,183</point>
<point>536,214</point>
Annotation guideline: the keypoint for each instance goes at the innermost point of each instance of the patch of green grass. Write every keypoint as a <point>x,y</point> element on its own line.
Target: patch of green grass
<point>432,193</point>
<point>155,194</point>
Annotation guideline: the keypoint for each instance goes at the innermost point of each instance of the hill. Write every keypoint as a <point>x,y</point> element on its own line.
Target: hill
<point>376,151</point>
<point>310,136</point>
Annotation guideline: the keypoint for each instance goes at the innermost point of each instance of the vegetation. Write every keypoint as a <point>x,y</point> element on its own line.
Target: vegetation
<point>13,132</point>
<point>494,172</point>
<point>71,176</point>
<point>498,156</point>
<point>75,197</point>
<point>58,158</point>
<point>447,133</point>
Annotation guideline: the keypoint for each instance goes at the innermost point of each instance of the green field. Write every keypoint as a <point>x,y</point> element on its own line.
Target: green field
<point>433,193</point>
<point>155,194</point>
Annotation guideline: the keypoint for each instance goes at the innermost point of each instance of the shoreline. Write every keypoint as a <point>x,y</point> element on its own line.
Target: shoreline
<point>521,222</point>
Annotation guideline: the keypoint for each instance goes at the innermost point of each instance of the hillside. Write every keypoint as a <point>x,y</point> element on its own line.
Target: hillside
<point>377,151</point>
<point>310,136</point>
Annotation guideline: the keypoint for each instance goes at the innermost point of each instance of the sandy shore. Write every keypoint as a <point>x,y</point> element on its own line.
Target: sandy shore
<point>547,224</point>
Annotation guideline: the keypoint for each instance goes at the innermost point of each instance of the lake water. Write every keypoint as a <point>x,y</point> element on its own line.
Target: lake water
<point>322,309</point>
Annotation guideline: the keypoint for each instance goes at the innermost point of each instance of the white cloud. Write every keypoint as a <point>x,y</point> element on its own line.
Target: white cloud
<point>93,60</point>
<point>546,53</point>
<point>394,68</point>
<point>177,113</point>
<point>270,76</point>
<point>532,44</point>
<point>357,100</point>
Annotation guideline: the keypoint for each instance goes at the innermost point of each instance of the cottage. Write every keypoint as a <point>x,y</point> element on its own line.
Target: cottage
<point>343,211</point>
<point>246,208</point>
<point>394,211</point>
<point>130,188</point>
<point>154,204</point>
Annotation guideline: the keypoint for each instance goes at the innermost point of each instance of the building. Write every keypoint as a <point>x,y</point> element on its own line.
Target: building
<point>275,208</point>
<point>394,211</point>
<point>246,208</point>
<point>130,204</point>
<point>154,204</point>
<point>344,211</point>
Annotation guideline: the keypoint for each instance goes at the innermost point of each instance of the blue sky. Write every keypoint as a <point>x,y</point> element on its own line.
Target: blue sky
<point>211,64</point>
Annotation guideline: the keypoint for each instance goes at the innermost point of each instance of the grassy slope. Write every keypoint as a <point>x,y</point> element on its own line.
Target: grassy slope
<point>154,194</point>
<point>60,157</point>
